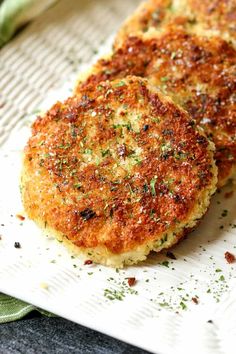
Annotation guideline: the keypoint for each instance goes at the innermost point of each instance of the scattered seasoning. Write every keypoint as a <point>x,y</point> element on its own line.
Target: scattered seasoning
<point>122,289</point>
<point>230,258</point>
<point>224,213</point>
<point>145,127</point>
<point>164,79</point>
<point>195,300</point>
<point>145,188</point>
<point>87,214</point>
<point>165,264</point>
<point>170,255</point>
<point>183,305</point>
<point>112,294</point>
<point>209,321</point>
<point>152,186</point>
<point>17,245</point>
<point>105,152</point>
<point>164,304</point>
<point>229,194</point>
<point>120,84</point>
<point>88,261</point>
<point>20,217</point>
<point>131,281</point>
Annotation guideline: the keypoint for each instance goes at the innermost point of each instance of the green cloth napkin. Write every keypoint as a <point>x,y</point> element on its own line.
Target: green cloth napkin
<point>12,309</point>
<point>15,13</point>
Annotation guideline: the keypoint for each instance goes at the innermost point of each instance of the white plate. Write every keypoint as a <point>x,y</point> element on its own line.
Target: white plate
<point>158,313</point>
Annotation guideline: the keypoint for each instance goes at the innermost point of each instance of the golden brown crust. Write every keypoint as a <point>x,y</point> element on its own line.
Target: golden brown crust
<point>209,17</point>
<point>196,72</point>
<point>117,167</point>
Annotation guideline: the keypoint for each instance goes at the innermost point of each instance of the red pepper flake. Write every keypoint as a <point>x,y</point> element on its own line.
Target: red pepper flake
<point>88,261</point>
<point>131,281</point>
<point>229,194</point>
<point>21,217</point>
<point>230,258</point>
<point>170,255</point>
<point>195,300</point>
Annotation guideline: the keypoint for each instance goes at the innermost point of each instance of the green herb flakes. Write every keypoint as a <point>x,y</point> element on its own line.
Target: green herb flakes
<point>183,305</point>
<point>152,186</point>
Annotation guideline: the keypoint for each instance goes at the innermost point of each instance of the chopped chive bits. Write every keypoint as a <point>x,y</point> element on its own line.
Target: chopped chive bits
<point>183,305</point>
<point>164,79</point>
<point>120,84</point>
<point>222,278</point>
<point>165,264</point>
<point>152,186</point>
<point>113,294</point>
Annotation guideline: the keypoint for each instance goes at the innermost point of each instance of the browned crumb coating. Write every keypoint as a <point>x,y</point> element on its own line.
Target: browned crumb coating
<point>117,168</point>
<point>197,73</point>
<point>207,17</point>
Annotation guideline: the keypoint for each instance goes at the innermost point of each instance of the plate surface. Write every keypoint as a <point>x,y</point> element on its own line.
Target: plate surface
<point>158,313</point>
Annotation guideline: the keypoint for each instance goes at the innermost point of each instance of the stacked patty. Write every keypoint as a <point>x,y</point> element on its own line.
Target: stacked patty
<point>129,163</point>
<point>204,17</point>
<point>118,172</point>
<point>198,73</point>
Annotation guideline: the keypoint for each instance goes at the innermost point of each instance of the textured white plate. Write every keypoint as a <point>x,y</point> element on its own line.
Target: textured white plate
<point>158,313</point>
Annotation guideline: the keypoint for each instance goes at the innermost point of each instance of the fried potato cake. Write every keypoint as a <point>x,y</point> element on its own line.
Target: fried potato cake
<point>205,17</point>
<point>198,73</point>
<point>117,171</point>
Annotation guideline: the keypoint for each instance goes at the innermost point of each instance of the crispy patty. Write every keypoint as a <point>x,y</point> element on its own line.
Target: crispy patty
<point>206,17</point>
<point>198,73</point>
<point>117,172</point>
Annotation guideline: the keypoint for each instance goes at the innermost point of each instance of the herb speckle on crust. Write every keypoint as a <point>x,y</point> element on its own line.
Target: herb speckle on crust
<point>202,81</point>
<point>104,182</point>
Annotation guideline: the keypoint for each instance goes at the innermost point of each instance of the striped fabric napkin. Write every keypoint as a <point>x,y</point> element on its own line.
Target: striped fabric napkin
<point>15,13</point>
<point>12,309</point>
